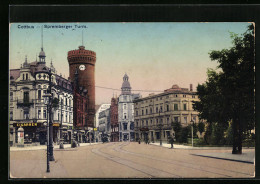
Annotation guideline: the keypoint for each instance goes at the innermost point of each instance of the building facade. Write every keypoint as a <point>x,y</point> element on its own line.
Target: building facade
<point>83,61</point>
<point>27,109</point>
<point>126,111</point>
<point>101,108</point>
<point>114,120</point>
<point>104,124</point>
<point>155,113</point>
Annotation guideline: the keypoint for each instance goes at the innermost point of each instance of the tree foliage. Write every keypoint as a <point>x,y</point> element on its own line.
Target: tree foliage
<point>228,94</point>
<point>201,127</point>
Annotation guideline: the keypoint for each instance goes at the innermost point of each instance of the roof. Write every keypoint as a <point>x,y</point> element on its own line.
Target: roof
<point>174,90</point>
<point>126,84</point>
<point>15,73</point>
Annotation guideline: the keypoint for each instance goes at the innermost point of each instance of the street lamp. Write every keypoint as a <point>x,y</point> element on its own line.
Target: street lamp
<point>46,102</point>
<point>160,127</point>
<point>49,95</point>
<point>61,135</point>
<point>192,124</point>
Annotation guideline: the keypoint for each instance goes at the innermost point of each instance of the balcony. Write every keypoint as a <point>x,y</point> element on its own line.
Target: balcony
<point>24,102</point>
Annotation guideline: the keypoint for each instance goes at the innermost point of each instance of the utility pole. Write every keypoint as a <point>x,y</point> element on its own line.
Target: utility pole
<point>50,119</point>
<point>61,136</point>
<point>160,127</point>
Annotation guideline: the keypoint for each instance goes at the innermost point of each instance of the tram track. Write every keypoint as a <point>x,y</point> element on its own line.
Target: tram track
<point>150,171</point>
<point>207,169</point>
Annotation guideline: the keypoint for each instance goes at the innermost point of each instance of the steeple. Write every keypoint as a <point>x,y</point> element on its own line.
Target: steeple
<point>25,64</point>
<point>42,53</point>
<point>52,67</point>
<point>126,88</point>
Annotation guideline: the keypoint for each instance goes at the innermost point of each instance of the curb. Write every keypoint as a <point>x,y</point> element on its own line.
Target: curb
<point>229,159</point>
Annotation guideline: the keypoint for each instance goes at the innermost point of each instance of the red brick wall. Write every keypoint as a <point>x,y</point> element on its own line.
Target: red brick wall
<point>86,77</point>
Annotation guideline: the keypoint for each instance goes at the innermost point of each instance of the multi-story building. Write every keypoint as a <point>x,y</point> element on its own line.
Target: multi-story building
<point>104,124</point>
<point>27,109</point>
<point>126,111</point>
<point>155,113</point>
<point>114,120</point>
<point>101,108</point>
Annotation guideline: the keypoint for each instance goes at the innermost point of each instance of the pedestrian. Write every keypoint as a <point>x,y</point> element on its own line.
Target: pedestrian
<point>139,140</point>
<point>171,141</point>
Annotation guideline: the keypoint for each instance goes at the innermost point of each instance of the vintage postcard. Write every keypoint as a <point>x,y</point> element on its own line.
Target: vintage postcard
<point>131,100</point>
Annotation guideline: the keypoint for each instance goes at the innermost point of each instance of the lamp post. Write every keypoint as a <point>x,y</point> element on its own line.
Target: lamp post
<point>51,157</point>
<point>46,102</point>
<point>192,124</point>
<point>160,127</point>
<point>61,117</point>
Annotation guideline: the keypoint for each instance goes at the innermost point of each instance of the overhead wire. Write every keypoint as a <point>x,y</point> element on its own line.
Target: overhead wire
<point>131,90</point>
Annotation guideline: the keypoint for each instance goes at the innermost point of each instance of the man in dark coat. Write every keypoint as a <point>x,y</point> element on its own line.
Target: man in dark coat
<point>171,140</point>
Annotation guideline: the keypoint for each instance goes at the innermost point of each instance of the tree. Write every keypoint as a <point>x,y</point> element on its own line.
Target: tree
<point>176,126</point>
<point>184,135</point>
<point>201,127</point>
<point>228,95</point>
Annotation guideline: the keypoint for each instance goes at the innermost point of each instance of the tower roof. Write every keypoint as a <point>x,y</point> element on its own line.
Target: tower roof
<point>126,87</point>
<point>42,53</point>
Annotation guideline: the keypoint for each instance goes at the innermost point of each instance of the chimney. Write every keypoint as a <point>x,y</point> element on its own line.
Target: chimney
<point>191,87</point>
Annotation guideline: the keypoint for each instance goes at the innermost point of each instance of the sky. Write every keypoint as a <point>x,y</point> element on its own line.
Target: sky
<point>154,55</point>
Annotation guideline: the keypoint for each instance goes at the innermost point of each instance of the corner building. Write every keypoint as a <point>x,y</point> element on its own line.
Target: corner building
<point>27,109</point>
<point>173,105</point>
<point>126,111</point>
<point>83,61</point>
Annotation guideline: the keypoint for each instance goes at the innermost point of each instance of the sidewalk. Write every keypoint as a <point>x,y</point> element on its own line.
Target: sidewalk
<point>247,156</point>
<point>44,147</point>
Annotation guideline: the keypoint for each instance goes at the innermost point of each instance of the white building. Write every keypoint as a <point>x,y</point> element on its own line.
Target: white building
<point>104,127</point>
<point>126,112</point>
<point>99,110</point>
<point>26,104</point>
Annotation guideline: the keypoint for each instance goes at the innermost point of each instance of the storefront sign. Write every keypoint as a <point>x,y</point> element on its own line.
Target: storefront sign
<point>25,124</point>
<point>56,124</point>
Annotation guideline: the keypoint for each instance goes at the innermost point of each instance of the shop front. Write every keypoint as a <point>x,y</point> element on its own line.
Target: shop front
<point>33,132</point>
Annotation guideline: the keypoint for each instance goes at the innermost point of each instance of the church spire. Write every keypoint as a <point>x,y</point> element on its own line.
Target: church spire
<point>42,53</point>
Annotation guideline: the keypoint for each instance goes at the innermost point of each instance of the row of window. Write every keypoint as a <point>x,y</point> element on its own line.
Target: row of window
<point>26,115</point>
<point>166,97</point>
<point>161,120</point>
<point>157,110</point>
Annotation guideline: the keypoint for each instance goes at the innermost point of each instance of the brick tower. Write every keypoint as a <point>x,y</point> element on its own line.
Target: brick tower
<point>84,61</point>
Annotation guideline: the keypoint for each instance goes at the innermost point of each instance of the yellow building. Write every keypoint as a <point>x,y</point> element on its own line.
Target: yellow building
<point>155,113</point>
